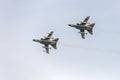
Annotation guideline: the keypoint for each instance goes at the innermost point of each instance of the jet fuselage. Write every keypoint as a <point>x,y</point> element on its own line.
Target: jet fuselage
<point>84,27</point>
<point>47,42</point>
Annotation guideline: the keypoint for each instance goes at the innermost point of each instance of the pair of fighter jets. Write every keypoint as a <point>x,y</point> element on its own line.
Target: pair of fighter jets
<point>48,40</point>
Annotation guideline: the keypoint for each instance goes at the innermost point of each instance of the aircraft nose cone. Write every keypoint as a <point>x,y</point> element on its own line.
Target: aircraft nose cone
<point>34,40</point>
<point>69,24</point>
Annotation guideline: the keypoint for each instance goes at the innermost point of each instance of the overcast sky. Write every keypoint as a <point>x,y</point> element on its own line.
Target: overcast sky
<point>95,58</point>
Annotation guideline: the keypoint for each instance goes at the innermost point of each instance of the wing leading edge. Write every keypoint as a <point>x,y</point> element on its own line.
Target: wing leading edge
<point>85,20</point>
<point>82,32</point>
<point>46,48</point>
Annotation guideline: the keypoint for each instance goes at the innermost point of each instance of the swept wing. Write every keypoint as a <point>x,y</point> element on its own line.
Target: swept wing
<point>49,35</point>
<point>85,20</point>
<point>82,33</point>
<point>46,48</point>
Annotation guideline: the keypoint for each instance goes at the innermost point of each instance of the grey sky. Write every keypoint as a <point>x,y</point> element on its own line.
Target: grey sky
<point>95,58</point>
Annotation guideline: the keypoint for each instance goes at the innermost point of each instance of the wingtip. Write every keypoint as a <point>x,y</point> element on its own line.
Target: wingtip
<point>88,16</point>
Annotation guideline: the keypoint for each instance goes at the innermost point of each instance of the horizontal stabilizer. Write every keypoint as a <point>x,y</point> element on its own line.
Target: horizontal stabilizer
<point>92,25</point>
<point>90,31</point>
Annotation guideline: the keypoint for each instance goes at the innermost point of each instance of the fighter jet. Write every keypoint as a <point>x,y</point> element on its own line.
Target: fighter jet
<point>48,41</point>
<point>84,26</point>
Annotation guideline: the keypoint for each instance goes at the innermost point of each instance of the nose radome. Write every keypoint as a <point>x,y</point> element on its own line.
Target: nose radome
<point>34,40</point>
<point>69,24</point>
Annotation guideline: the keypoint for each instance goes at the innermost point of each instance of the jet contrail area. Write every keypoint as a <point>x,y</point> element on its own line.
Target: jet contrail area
<point>109,31</point>
<point>91,48</point>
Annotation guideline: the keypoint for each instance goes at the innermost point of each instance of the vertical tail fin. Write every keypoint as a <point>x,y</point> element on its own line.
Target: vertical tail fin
<point>92,25</point>
<point>55,43</point>
<point>91,30</point>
